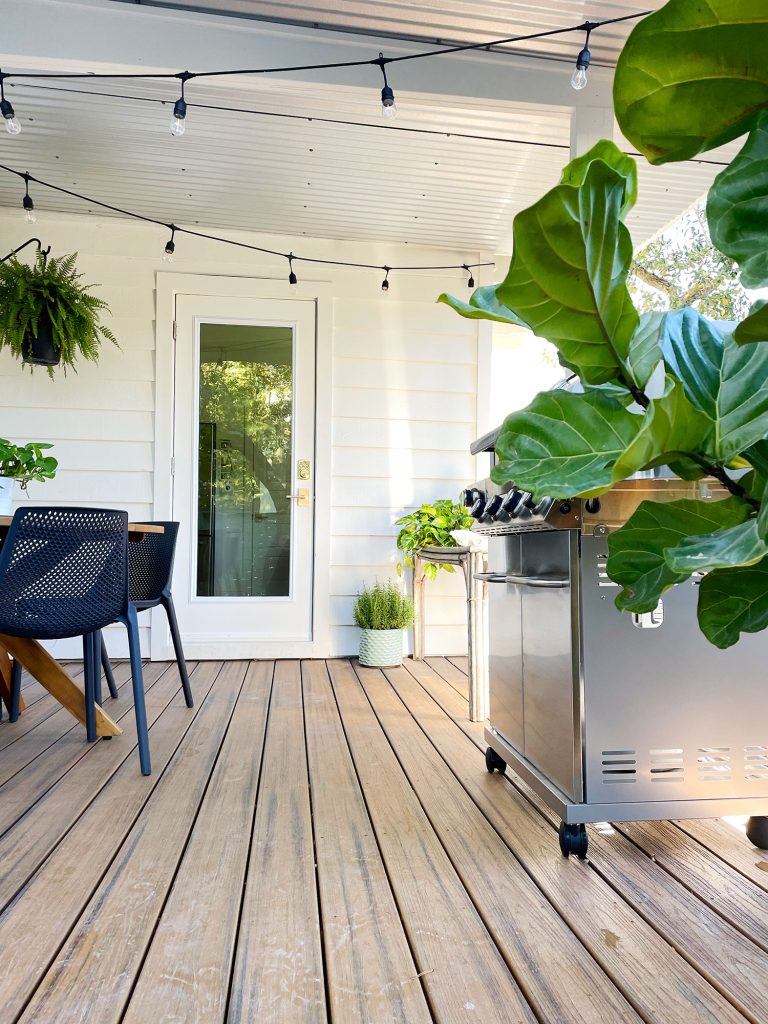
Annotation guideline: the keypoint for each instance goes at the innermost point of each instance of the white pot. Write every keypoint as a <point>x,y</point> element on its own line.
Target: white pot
<point>381,648</point>
<point>6,495</point>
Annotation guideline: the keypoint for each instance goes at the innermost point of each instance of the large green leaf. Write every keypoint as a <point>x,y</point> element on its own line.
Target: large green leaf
<point>737,207</point>
<point>755,327</point>
<point>726,382</point>
<point>734,601</point>
<point>483,305</point>
<point>736,545</point>
<point>645,348</point>
<point>670,428</point>
<point>572,253</point>
<point>564,444</point>
<point>636,552</point>
<point>692,76</point>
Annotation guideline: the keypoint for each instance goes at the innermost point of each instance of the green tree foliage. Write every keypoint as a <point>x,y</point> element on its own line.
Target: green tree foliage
<point>683,268</point>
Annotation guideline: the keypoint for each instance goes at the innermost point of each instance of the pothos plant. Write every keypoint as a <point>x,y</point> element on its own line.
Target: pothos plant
<point>26,463</point>
<point>431,526</point>
<point>659,388</point>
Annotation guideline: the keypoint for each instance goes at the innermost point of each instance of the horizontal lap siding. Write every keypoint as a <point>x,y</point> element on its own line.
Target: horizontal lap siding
<point>403,412</point>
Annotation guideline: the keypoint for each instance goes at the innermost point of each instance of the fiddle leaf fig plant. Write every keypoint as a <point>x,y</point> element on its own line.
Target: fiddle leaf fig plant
<point>666,388</point>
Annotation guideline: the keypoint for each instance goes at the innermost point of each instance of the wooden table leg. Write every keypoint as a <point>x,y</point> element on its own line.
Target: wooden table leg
<point>5,680</point>
<point>37,661</point>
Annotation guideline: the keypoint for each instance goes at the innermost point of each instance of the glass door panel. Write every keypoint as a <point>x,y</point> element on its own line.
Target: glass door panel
<point>245,460</point>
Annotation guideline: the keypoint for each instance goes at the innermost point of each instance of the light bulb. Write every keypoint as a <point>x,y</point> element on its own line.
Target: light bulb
<point>170,248</point>
<point>178,126</point>
<point>178,121</point>
<point>31,216</point>
<point>388,108</point>
<point>29,208</point>
<point>167,257</point>
<point>293,283</point>
<point>12,125</point>
<point>579,78</point>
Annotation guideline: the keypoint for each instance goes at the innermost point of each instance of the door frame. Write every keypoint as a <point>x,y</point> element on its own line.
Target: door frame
<point>168,287</point>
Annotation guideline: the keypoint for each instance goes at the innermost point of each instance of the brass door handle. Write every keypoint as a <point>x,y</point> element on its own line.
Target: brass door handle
<point>301,497</point>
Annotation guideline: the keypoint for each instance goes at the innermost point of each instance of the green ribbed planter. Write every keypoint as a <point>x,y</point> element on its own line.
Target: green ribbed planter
<point>381,648</point>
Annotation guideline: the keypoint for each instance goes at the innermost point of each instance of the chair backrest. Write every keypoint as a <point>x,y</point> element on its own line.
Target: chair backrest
<point>63,571</point>
<point>150,563</point>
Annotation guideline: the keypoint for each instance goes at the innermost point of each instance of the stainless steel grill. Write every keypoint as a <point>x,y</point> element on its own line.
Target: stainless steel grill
<point>609,715</point>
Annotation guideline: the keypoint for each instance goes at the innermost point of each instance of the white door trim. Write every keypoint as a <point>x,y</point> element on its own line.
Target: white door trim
<point>169,286</point>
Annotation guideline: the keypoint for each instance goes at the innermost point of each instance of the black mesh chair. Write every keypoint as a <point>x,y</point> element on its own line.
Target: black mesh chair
<point>64,573</point>
<point>150,571</point>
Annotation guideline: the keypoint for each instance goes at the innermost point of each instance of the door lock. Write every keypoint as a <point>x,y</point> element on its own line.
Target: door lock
<point>303,469</point>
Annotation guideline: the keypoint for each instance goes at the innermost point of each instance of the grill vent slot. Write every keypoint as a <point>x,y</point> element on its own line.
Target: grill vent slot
<point>619,766</point>
<point>714,764</point>
<point>756,764</point>
<point>602,576</point>
<point>667,764</point>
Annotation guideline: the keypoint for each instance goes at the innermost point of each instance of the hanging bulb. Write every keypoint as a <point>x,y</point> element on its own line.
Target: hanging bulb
<point>385,282</point>
<point>293,281</point>
<point>579,76</point>
<point>170,247</point>
<point>29,209</point>
<point>178,122</point>
<point>388,107</point>
<point>12,125</point>
<point>471,281</point>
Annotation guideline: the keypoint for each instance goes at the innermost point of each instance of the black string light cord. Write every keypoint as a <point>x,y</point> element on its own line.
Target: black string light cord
<point>379,61</point>
<point>175,229</point>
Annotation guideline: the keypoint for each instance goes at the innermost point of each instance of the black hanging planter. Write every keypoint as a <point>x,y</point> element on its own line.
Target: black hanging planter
<point>38,348</point>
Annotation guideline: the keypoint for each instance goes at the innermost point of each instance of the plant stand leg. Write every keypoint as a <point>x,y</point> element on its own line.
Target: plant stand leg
<point>418,609</point>
<point>472,563</point>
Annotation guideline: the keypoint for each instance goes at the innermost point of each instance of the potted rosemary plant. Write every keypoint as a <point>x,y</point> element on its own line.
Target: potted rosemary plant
<point>22,465</point>
<point>46,316</point>
<point>382,612</point>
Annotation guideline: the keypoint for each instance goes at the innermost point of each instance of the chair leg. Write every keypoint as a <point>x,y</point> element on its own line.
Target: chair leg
<point>132,625</point>
<point>170,611</point>
<point>91,671</point>
<point>106,666</point>
<point>13,715</point>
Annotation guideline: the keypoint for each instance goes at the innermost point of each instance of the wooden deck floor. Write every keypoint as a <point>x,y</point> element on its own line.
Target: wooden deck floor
<point>321,842</point>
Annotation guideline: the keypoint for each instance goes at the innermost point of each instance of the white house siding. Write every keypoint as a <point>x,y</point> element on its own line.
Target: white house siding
<point>404,406</point>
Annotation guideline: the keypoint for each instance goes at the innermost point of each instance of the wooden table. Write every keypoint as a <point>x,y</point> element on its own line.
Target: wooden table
<point>46,669</point>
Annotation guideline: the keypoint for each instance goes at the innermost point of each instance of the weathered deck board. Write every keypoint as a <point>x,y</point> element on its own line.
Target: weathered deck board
<point>321,844</point>
<point>371,973</point>
<point>278,974</point>
<point>464,974</point>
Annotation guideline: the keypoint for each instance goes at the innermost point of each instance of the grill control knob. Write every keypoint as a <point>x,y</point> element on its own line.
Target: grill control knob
<point>477,508</point>
<point>521,504</point>
<point>543,506</point>
<point>470,495</point>
<point>510,500</point>
<point>491,508</point>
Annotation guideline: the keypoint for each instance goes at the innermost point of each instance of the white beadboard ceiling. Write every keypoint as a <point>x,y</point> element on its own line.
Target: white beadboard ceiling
<point>297,176</point>
<point>439,22</point>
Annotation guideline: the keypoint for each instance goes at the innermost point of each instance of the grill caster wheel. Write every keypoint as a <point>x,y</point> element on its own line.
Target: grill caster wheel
<point>757,832</point>
<point>493,762</point>
<point>573,839</point>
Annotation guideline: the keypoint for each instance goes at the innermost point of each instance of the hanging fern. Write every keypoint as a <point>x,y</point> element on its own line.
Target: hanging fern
<point>51,286</point>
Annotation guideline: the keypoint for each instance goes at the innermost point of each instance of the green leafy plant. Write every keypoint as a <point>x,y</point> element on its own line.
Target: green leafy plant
<point>430,526</point>
<point>26,463</point>
<point>50,289</point>
<point>662,388</point>
<point>383,606</point>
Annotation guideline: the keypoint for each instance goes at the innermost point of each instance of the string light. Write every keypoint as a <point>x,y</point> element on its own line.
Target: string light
<point>12,125</point>
<point>170,245</point>
<point>385,282</point>
<point>471,281</point>
<point>26,203</point>
<point>388,108</point>
<point>178,121</point>
<point>579,76</point>
<point>293,281</point>
<point>176,229</point>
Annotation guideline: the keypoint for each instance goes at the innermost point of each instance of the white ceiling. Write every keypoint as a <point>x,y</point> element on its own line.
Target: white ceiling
<point>294,175</point>
<point>439,22</point>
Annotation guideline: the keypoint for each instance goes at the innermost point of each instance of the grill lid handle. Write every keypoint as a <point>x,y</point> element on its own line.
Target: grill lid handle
<point>551,582</point>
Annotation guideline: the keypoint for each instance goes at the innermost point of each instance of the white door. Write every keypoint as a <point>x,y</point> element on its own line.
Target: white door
<point>243,477</point>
